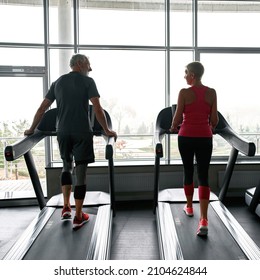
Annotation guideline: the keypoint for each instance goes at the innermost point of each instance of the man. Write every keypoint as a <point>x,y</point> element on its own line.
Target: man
<point>72,93</point>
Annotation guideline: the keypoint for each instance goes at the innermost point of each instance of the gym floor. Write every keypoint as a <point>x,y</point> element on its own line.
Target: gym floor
<point>134,234</point>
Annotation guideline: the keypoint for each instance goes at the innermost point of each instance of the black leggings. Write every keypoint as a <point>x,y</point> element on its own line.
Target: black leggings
<point>201,147</point>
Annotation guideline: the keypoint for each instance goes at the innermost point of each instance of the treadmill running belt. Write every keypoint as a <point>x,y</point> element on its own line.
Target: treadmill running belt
<point>58,241</point>
<point>218,245</point>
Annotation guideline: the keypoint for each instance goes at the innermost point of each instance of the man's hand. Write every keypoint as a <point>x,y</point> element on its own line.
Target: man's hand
<point>28,131</point>
<point>111,133</point>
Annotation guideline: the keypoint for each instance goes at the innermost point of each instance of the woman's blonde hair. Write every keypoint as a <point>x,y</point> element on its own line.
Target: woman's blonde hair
<point>196,68</point>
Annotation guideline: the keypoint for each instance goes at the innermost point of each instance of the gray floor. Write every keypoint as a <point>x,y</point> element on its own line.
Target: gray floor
<point>13,221</point>
<point>134,233</point>
<point>134,229</point>
<point>249,221</point>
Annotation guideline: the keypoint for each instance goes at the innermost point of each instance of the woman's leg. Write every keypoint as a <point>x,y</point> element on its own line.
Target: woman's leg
<point>203,156</point>
<point>187,155</point>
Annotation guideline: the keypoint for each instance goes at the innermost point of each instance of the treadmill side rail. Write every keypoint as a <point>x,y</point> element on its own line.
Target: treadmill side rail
<point>99,248</point>
<point>21,247</point>
<point>244,241</point>
<point>169,245</point>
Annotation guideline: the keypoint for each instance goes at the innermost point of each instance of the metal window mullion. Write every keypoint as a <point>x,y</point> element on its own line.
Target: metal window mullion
<point>195,29</point>
<point>76,24</point>
<point>167,74</point>
<point>46,78</point>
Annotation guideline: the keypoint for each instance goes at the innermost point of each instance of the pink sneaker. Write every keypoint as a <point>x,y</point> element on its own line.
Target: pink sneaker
<point>77,224</point>
<point>203,227</point>
<point>66,213</point>
<point>188,211</point>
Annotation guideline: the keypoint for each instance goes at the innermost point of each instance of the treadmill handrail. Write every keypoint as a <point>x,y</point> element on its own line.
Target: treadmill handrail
<point>238,144</point>
<point>47,128</point>
<point>235,140</point>
<point>223,129</point>
<point>21,147</point>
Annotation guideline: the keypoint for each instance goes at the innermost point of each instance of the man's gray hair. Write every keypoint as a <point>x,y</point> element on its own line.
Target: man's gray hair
<point>77,58</point>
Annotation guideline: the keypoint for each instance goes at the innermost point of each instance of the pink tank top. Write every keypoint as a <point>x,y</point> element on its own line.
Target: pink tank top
<point>196,116</point>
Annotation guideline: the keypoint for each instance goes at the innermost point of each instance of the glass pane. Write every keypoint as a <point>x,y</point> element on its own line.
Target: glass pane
<point>22,56</point>
<point>133,93</point>
<point>181,23</point>
<point>228,23</point>
<point>238,99</point>
<point>59,62</point>
<point>21,22</point>
<point>179,60</point>
<point>61,22</point>
<point>21,97</point>
<point>122,22</point>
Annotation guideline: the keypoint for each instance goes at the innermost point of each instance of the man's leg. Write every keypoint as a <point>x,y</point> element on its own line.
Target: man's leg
<point>66,182</point>
<point>79,195</point>
<point>66,186</point>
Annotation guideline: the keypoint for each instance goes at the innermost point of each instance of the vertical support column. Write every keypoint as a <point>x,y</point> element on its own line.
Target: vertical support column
<point>64,33</point>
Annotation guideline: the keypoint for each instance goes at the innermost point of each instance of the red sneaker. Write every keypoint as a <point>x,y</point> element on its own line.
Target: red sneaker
<point>77,224</point>
<point>66,213</point>
<point>188,211</point>
<point>203,227</point>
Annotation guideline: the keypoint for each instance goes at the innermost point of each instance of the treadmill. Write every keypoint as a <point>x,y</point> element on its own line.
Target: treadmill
<point>226,240</point>
<point>50,238</point>
<point>252,199</point>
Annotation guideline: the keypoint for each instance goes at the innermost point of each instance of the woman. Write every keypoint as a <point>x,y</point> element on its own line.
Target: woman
<point>197,116</point>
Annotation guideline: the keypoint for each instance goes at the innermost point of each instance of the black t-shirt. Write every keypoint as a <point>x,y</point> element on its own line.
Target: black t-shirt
<point>72,92</point>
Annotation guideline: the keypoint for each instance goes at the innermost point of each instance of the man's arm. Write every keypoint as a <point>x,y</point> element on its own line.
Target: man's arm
<point>101,117</point>
<point>46,103</point>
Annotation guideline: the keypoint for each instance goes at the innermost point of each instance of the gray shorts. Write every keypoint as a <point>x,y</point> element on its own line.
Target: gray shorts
<point>76,146</point>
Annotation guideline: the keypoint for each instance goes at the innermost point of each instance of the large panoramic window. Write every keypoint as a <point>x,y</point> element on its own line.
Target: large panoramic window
<point>138,52</point>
